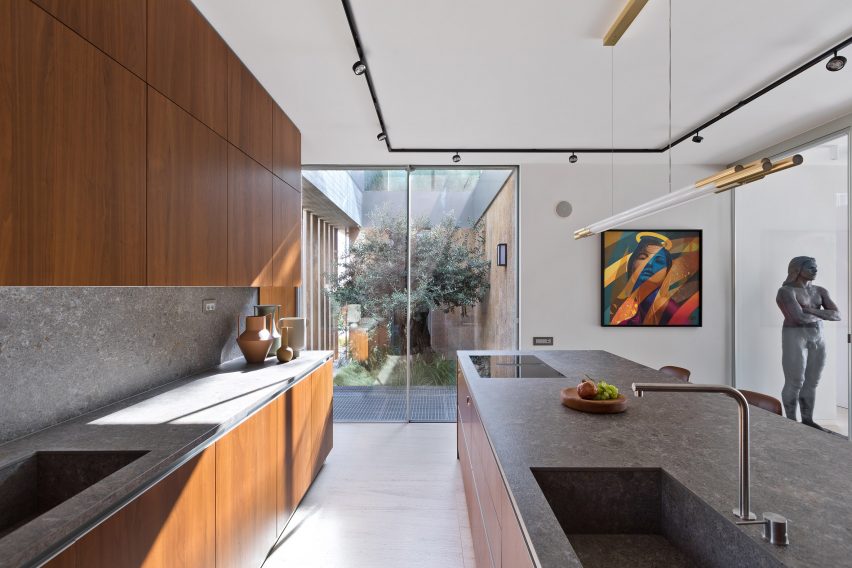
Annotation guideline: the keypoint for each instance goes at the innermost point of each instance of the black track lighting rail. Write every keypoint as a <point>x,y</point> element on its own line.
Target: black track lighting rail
<point>685,136</point>
<point>350,19</point>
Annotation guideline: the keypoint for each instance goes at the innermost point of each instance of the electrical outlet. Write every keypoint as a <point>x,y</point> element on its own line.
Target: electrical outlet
<point>543,341</point>
<point>208,306</point>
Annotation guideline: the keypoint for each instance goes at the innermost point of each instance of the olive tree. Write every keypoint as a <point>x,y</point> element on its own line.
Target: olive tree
<point>449,271</point>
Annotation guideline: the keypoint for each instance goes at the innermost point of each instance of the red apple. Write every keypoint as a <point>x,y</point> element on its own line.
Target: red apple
<point>587,389</point>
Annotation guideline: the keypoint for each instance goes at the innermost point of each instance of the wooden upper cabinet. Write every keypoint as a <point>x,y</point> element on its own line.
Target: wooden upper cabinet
<point>115,26</point>
<point>246,491</point>
<point>172,524</point>
<point>286,149</point>
<point>249,221</point>
<point>249,113</point>
<point>72,157</point>
<point>287,243</point>
<point>188,61</point>
<point>187,199</point>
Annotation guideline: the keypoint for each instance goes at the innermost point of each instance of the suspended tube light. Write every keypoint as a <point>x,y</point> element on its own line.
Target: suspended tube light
<point>717,183</point>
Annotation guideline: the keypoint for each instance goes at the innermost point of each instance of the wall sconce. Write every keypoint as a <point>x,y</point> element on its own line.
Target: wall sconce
<point>501,254</point>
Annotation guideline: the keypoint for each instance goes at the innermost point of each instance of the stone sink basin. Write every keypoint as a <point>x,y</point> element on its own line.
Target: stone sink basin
<point>36,484</point>
<point>643,517</point>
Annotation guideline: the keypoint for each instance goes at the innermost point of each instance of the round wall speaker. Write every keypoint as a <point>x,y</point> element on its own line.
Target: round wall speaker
<point>564,209</point>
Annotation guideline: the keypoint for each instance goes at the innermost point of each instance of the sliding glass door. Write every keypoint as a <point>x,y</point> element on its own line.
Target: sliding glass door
<point>416,277</point>
<point>785,227</point>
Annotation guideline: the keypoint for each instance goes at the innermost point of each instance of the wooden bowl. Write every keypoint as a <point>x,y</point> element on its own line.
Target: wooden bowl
<point>572,400</point>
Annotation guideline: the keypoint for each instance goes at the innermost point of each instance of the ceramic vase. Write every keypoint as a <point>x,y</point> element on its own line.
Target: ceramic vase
<point>297,333</point>
<point>256,340</point>
<point>285,352</point>
<point>271,310</point>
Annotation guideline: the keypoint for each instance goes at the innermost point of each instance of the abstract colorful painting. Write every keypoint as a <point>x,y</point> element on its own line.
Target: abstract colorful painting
<point>651,278</point>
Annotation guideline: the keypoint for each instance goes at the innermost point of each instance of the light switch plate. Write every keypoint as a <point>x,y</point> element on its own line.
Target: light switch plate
<point>208,306</point>
<point>543,341</point>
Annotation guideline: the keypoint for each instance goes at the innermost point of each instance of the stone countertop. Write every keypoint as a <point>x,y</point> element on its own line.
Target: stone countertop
<point>173,423</point>
<point>796,471</point>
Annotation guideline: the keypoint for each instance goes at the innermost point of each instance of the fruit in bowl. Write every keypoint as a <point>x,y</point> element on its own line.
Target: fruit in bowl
<point>587,389</point>
<point>601,391</point>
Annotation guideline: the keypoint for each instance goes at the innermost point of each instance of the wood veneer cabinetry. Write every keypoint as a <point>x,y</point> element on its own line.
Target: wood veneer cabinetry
<point>226,506</point>
<point>286,149</point>
<point>498,539</point>
<point>187,198</point>
<point>250,215</point>
<point>66,559</point>
<point>246,490</point>
<point>170,525</point>
<point>115,27</point>
<point>249,113</point>
<point>188,61</point>
<point>72,157</point>
<point>287,248</point>
<point>322,419</point>
<point>294,449</point>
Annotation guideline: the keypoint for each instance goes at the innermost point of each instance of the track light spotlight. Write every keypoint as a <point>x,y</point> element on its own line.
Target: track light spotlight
<point>381,137</point>
<point>697,138</point>
<point>573,159</point>
<point>359,68</point>
<point>456,158</point>
<point>836,63</point>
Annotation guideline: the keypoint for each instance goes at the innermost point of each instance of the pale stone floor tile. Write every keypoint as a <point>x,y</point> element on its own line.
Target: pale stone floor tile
<point>389,495</point>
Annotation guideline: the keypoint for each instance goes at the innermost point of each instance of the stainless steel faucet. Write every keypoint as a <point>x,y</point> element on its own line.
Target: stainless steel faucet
<point>743,511</point>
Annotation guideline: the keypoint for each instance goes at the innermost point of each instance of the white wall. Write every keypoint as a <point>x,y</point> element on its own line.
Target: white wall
<point>561,278</point>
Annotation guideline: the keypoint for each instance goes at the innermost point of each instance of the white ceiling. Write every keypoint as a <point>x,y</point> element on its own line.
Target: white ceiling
<point>489,73</point>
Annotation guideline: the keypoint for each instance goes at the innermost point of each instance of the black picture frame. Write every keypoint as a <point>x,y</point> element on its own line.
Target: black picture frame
<point>604,308</point>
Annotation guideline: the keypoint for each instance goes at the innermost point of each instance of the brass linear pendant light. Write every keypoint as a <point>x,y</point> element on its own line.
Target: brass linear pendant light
<point>736,176</point>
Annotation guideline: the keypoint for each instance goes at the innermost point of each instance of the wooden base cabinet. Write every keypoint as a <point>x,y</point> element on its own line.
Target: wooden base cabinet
<point>498,540</point>
<point>170,525</point>
<point>246,491</point>
<point>322,392</point>
<point>226,507</point>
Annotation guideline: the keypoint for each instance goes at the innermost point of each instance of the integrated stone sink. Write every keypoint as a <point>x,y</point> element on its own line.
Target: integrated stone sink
<point>36,484</point>
<point>643,517</point>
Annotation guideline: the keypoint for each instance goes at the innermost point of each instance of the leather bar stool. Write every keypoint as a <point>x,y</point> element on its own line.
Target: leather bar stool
<point>763,401</point>
<point>679,373</point>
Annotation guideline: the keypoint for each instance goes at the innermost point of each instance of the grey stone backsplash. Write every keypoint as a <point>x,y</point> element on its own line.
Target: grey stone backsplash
<point>66,351</point>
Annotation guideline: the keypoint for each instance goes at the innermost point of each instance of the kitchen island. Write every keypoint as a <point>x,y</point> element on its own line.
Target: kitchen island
<point>654,485</point>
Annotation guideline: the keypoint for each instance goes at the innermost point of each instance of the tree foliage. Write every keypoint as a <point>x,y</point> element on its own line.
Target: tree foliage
<point>448,267</point>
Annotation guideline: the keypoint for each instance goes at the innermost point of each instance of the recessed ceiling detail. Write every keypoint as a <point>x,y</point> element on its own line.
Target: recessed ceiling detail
<point>835,64</point>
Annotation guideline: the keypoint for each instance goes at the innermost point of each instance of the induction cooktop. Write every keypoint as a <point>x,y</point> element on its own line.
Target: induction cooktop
<point>513,367</point>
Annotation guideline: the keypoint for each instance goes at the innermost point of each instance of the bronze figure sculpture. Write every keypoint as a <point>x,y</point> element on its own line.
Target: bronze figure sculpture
<point>804,306</point>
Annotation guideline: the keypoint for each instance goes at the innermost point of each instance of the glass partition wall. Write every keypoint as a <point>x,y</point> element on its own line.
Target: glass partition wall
<point>417,277</point>
<point>790,343</point>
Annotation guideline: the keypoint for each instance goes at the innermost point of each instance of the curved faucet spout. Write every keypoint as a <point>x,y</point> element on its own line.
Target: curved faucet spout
<point>743,511</point>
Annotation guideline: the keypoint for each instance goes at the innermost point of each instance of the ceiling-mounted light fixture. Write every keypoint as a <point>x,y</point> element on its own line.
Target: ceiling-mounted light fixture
<point>359,67</point>
<point>381,137</point>
<point>697,138</point>
<point>456,158</point>
<point>836,63</point>
<point>623,21</point>
<point>573,159</point>
<point>718,183</point>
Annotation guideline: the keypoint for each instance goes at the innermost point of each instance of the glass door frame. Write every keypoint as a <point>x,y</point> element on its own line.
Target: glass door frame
<point>409,168</point>
<point>783,152</point>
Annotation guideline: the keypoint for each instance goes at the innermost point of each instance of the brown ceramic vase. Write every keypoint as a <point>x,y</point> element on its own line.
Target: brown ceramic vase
<point>256,340</point>
<point>285,352</point>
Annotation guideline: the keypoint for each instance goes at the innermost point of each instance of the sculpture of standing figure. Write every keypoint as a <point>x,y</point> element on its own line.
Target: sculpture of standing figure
<point>804,306</point>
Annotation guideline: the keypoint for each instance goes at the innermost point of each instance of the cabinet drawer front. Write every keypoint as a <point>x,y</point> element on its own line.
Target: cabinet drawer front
<point>477,525</point>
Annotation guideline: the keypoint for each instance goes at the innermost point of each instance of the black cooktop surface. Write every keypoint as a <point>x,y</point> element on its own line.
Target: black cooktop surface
<point>513,367</point>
